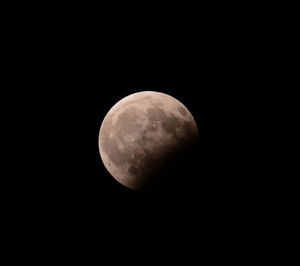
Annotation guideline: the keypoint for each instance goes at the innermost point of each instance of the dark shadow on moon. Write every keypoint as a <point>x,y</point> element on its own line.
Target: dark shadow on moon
<point>176,174</point>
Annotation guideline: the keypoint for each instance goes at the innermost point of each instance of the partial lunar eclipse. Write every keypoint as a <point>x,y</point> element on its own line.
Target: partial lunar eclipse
<point>141,133</point>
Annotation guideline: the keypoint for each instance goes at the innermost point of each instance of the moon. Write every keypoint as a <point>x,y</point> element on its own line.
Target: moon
<point>141,133</point>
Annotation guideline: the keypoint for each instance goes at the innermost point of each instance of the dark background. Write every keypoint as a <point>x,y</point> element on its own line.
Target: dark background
<point>74,209</point>
<point>67,207</point>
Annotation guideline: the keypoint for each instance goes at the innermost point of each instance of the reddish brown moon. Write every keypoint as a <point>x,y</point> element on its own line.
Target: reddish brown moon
<point>140,134</point>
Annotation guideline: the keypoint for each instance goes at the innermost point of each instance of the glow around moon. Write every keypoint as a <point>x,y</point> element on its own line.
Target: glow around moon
<point>140,133</point>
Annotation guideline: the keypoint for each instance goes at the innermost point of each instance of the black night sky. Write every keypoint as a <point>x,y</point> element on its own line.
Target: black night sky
<point>67,206</point>
<point>75,210</point>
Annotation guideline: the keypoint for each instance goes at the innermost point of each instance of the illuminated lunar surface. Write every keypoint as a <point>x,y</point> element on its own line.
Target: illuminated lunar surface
<point>141,133</point>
